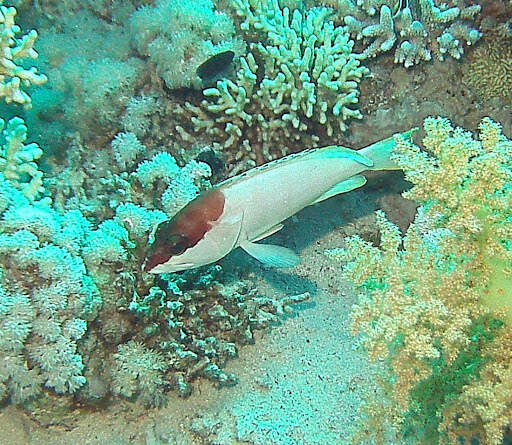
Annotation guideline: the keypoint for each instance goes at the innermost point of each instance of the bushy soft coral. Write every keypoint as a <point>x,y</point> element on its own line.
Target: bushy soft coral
<point>434,299</point>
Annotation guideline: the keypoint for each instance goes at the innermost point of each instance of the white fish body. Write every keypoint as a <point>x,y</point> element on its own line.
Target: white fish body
<point>251,206</point>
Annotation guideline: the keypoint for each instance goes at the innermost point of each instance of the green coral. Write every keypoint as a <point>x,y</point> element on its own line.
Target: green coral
<point>300,82</point>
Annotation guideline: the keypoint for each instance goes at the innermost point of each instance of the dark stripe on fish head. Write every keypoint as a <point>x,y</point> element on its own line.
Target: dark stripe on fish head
<point>185,229</point>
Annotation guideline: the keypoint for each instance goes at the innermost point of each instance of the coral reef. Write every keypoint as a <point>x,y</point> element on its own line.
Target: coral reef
<point>296,85</point>
<point>77,314</point>
<point>436,302</point>
<point>178,36</point>
<point>418,30</point>
<point>487,71</point>
<point>140,95</point>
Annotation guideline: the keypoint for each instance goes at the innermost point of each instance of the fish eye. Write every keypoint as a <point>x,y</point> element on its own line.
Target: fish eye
<point>178,244</point>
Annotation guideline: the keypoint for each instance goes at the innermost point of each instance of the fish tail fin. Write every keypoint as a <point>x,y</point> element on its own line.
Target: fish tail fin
<point>381,152</point>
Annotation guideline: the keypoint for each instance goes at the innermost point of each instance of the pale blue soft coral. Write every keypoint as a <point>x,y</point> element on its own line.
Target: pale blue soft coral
<point>126,147</point>
<point>139,220</point>
<point>59,290</point>
<point>140,371</point>
<point>107,243</point>
<point>182,183</point>
<point>46,294</point>
<point>16,317</point>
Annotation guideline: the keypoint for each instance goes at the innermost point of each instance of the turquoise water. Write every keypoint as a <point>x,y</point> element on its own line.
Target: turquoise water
<point>255,221</point>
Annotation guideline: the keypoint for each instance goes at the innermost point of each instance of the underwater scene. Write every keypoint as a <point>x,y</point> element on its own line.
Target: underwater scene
<point>263,222</point>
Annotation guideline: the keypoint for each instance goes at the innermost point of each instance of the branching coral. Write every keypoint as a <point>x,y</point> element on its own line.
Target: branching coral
<point>417,28</point>
<point>299,83</point>
<point>13,76</point>
<point>435,298</point>
<point>18,161</point>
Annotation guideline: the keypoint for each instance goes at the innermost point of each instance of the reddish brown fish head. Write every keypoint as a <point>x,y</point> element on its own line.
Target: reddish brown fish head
<point>165,246</point>
<point>177,237</point>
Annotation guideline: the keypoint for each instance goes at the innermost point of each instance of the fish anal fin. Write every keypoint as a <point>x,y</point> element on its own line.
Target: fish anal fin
<point>271,255</point>
<point>345,186</point>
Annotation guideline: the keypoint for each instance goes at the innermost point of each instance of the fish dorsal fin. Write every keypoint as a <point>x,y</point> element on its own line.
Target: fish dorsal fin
<point>339,152</point>
<point>349,184</point>
<point>329,152</point>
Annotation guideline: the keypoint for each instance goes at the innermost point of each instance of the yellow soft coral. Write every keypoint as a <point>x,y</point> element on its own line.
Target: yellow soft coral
<point>468,187</point>
<point>433,300</point>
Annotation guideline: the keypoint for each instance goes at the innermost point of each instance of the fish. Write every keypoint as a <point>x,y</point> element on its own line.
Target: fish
<point>215,65</point>
<point>251,206</point>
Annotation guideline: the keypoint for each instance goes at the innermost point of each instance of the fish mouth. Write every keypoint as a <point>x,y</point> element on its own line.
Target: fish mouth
<point>175,268</point>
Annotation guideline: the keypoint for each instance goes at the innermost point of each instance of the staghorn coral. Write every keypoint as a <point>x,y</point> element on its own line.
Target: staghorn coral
<point>13,75</point>
<point>298,84</point>
<point>417,30</point>
<point>436,301</point>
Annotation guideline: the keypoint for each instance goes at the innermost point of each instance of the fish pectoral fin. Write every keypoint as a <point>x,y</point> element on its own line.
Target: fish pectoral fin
<point>228,232</point>
<point>271,255</point>
<point>345,186</point>
<point>269,232</point>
